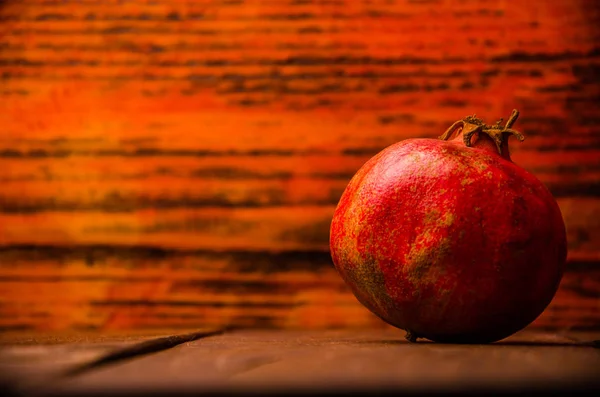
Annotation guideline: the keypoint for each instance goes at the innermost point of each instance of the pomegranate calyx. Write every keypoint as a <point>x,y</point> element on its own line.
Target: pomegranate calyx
<point>471,125</point>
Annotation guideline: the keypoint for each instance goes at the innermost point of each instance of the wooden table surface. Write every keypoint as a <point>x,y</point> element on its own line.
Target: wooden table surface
<point>294,362</point>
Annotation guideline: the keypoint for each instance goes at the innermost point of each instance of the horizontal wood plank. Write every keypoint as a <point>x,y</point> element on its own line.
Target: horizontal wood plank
<point>340,361</point>
<point>212,360</point>
<point>279,228</point>
<point>30,363</point>
<point>103,287</point>
<point>300,228</point>
<point>117,184</point>
<point>178,163</point>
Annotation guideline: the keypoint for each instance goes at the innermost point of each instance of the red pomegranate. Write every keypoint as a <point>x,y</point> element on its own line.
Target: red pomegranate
<point>449,239</point>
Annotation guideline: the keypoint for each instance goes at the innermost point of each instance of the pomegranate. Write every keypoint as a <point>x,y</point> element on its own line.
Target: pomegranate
<point>448,239</point>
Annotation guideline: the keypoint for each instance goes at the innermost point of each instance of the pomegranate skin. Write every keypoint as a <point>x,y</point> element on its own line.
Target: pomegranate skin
<point>451,243</point>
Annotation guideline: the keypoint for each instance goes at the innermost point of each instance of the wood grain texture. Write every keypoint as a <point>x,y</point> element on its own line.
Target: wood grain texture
<point>307,362</point>
<point>26,363</point>
<point>177,163</point>
<point>31,363</point>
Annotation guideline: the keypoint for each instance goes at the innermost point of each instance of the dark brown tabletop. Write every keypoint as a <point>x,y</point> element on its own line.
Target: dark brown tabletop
<point>294,362</point>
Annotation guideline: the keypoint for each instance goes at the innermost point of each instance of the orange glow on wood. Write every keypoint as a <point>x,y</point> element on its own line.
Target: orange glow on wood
<point>176,164</point>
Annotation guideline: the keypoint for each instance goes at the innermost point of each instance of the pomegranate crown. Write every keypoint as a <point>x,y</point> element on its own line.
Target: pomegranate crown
<point>472,124</point>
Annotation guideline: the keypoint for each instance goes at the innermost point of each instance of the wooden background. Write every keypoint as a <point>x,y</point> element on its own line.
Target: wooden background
<point>177,163</point>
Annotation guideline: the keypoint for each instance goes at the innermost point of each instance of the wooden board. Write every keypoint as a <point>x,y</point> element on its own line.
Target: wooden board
<point>311,361</point>
<point>31,361</point>
<point>177,163</point>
